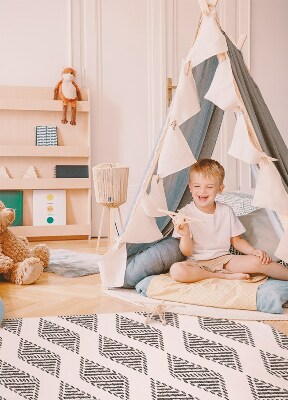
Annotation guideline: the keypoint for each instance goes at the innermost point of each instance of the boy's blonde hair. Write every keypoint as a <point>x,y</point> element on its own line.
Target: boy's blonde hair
<point>207,167</point>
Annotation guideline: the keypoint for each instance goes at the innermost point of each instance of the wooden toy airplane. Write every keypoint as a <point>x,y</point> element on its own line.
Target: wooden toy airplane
<point>179,217</point>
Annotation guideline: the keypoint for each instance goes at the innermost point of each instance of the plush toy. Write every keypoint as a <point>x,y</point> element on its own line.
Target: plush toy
<point>18,263</point>
<point>67,91</point>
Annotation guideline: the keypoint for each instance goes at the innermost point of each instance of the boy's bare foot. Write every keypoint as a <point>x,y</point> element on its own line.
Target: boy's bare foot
<point>239,276</point>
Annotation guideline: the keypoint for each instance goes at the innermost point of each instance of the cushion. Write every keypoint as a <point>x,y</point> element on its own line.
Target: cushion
<point>241,203</point>
<point>259,229</point>
<point>270,296</point>
<point>260,232</point>
<point>155,260</point>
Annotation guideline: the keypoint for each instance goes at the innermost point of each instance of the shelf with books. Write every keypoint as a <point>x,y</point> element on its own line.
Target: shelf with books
<point>22,111</point>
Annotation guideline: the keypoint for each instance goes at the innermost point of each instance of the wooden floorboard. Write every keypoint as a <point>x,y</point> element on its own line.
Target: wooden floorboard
<point>54,295</point>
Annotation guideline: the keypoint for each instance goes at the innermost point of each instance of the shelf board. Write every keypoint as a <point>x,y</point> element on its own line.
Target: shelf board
<point>45,183</point>
<point>38,105</point>
<point>54,230</point>
<point>44,151</point>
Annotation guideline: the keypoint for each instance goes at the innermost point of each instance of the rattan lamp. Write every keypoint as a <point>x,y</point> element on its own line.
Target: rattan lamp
<point>110,183</point>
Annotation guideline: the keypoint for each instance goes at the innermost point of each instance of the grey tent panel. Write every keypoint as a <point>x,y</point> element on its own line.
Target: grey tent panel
<point>264,126</point>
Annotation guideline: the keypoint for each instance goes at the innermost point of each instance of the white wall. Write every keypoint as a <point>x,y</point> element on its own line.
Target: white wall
<point>269,57</point>
<point>33,42</point>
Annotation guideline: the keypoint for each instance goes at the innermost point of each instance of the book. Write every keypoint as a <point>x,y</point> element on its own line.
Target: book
<point>46,135</point>
<point>14,199</point>
<point>49,207</point>
<point>71,171</point>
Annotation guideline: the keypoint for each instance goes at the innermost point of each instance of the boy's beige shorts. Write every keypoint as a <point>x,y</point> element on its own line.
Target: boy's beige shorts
<point>213,265</point>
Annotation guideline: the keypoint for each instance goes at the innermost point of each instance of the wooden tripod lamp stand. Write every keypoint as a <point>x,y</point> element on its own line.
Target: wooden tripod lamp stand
<point>110,183</point>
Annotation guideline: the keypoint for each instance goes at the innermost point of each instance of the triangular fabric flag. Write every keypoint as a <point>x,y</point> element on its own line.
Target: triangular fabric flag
<point>282,249</point>
<point>222,90</point>
<point>155,199</point>
<point>241,145</point>
<point>270,192</point>
<point>4,173</point>
<point>209,42</point>
<point>175,154</point>
<point>186,102</point>
<point>141,228</point>
<point>112,266</point>
<point>30,173</point>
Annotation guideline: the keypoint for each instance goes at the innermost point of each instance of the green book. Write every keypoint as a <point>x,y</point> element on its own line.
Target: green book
<point>14,199</point>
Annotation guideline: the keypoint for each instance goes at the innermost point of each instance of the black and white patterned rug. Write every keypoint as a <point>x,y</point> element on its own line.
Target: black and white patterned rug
<point>118,356</point>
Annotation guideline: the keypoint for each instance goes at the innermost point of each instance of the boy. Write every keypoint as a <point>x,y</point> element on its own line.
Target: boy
<point>206,244</point>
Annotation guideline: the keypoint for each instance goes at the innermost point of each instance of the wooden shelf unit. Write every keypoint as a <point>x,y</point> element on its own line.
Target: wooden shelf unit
<point>44,151</point>
<point>21,110</point>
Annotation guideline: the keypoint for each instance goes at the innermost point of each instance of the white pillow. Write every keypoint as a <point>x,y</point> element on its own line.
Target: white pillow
<point>241,203</point>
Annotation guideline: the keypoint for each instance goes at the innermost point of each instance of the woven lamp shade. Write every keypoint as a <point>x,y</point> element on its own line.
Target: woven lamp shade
<point>111,183</point>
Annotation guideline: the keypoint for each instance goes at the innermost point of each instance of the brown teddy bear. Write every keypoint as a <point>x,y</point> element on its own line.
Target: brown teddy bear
<point>67,91</point>
<point>18,263</point>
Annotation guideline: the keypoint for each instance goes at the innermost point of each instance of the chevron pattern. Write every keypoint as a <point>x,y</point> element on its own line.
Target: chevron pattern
<point>86,321</point>
<point>211,350</point>
<point>119,356</point>
<point>13,325</point>
<point>161,391</point>
<point>68,392</point>
<point>139,331</point>
<point>19,381</point>
<point>275,365</point>
<point>264,390</point>
<point>196,375</point>
<point>123,354</point>
<point>230,329</point>
<point>58,335</point>
<point>104,378</point>
<point>39,357</point>
<point>281,339</point>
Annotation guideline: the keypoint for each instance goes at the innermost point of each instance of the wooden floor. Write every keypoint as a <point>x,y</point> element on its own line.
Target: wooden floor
<point>54,295</point>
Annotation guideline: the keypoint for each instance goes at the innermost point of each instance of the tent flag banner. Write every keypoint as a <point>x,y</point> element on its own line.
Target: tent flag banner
<point>241,145</point>
<point>155,199</point>
<point>270,192</point>
<point>210,41</point>
<point>175,154</point>
<point>222,90</point>
<point>186,101</point>
<point>282,249</point>
<point>141,228</point>
<point>112,266</point>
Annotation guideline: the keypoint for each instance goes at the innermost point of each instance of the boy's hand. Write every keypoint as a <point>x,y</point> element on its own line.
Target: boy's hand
<point>263,256</point>
<point>182,229</point>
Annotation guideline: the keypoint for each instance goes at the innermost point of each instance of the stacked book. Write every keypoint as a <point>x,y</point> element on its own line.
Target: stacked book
<point>71,171</point>
<point>14,199</point>
<point>46,135</point>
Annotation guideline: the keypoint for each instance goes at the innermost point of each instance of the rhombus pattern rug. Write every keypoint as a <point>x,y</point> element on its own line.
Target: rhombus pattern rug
<point>118,356</point>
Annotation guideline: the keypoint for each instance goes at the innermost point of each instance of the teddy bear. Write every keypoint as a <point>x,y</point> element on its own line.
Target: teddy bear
<point>68,91</point>
<point>18,263</point>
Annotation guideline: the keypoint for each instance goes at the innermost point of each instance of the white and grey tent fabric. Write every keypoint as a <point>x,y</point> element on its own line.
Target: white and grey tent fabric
<point>215,72</point>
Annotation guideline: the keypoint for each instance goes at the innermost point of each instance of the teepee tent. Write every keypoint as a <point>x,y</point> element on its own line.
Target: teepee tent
<point>213,79</point>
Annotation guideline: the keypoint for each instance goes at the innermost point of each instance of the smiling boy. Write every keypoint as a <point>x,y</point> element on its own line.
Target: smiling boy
<point>206,244</point>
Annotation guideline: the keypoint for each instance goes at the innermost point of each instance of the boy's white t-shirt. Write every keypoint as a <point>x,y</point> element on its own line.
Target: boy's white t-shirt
<point>211,238</point>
